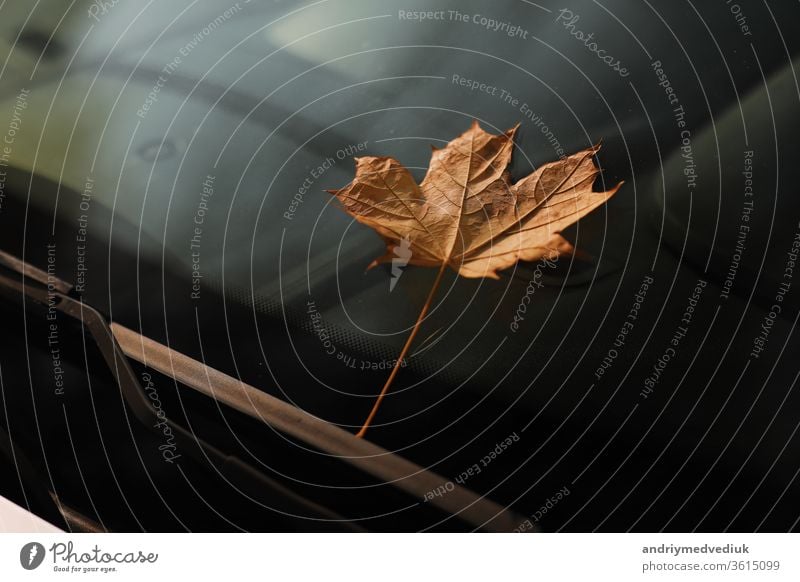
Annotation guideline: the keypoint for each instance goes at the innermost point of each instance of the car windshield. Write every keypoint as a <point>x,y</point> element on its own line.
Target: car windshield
<point>177,162</point>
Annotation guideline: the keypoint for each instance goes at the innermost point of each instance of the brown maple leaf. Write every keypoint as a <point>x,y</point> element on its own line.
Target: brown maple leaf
<point>467,214</point>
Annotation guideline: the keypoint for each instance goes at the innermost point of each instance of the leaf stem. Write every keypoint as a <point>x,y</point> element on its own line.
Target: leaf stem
<point>404,352</point>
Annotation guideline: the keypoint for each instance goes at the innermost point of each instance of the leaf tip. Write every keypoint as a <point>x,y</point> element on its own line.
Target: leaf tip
<point>375,262</point>
<point>581,255</point>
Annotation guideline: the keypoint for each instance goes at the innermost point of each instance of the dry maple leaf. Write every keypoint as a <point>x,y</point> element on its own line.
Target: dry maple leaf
<point>466,214</point>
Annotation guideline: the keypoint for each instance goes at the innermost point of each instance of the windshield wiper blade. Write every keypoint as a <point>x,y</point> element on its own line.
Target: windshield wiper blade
<point>118,343</point>
<point>47,291</point>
